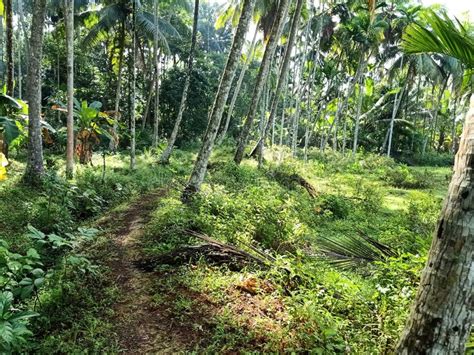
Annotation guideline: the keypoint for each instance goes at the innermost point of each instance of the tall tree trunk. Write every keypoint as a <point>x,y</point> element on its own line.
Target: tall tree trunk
<point>9,59</point>
<point>165,157</point>
<point>275,35</point>
<point>133,89</point>
<point>69,17</point>
<point>9,45</point>
<point>200,167</point>
<point>396,105</point>
<point>441,317</point>
<point>342,107</point>
<point>248,60</point>
<point>118,90</point>
<point>156,60</point>
<point>34,165</point>
<point>357,120</point>
<point>283,73</point>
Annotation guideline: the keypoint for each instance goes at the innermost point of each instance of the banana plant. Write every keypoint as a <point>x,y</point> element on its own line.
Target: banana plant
<point>92,126</point>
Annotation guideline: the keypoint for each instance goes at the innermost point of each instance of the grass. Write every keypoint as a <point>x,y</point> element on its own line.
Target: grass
<point>300,303</point>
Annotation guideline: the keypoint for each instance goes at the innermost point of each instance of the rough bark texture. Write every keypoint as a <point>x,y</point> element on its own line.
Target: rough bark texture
<point>34,165</point>
<point>200,167</point>
<point>261,77</point>
<point>165,157</point>
<point>441,318</point>
<point>69,16</point>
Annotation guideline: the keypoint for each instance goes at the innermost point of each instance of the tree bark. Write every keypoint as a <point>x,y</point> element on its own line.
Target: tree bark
<point>156,59</point>
<point>133,90</point>
<point>275,35</point>
<point>69,17</point>
<point>283,74</point>
<point>441,317</point>
<point>9,45</point>
<point>396,104</point>
<point>34,166</point>
<point>200,167</point>
<point>357,120</point>
<point>165,157</point>
<point>118,90</point>
<point>249,59</point>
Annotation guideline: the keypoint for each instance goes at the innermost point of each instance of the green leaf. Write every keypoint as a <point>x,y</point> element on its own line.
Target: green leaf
<point>9,128</point>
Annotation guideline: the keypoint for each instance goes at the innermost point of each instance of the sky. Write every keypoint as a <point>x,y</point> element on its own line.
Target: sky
<point>455,7</point>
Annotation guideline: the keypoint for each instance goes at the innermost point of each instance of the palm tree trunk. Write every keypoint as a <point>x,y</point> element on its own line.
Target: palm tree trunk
<point>165,157</point>
<point>34,165</point>
<point>283,73</point>
<point>248,60</point>
<point>9,45</point>
<point>118,90</point>
<point>275,35</point>
<point>200,167</point>
<point>396,104</point>
<point>441,317</point>
<point>69,17</point>
<point>357,120</point>
<point>133,92</point>
<point>156,59</point>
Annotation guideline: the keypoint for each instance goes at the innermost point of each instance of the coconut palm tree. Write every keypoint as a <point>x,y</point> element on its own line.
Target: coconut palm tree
<point>34,166</point>
<point>69,19</point>
<point>200,167</point>
<point>274,37</point>
<point>441,317</point>
<point>165,156</point>
<point>116,15</point>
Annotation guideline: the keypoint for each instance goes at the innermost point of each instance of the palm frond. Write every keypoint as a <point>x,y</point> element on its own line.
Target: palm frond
<point>353,250</point>
<point>443,36</point>
<point>108,17</point>
<point>146,25</point>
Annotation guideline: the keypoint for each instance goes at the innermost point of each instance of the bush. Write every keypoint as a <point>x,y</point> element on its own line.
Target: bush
<point>402,177</point>
<point>333,206</point>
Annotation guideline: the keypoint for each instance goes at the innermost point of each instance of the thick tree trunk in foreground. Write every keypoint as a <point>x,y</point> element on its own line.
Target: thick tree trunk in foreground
<point>34,165</point>
<point>441,318</point>
<point>165,157</point>
<point>200,167</point>
<point>275,35</point>
<point>69,16</point>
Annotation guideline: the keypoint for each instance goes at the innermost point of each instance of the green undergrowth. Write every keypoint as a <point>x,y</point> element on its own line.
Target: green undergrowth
<point>302,301</point>
<point>296,213</point>
<point>55,290</point>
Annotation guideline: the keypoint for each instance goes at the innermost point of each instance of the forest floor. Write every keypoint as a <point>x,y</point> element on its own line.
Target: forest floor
<point>298,302</point>
<point>141,327</point>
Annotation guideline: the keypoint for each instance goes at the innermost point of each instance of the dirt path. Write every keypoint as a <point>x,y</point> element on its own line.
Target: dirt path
<point>141,327</point>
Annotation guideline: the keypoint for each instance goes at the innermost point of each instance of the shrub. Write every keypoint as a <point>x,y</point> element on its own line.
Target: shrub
<point>402,177</point>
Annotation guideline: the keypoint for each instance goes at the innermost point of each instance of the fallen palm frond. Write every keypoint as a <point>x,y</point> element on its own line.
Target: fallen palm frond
<point>354,250</point>
<point>213,251</point>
